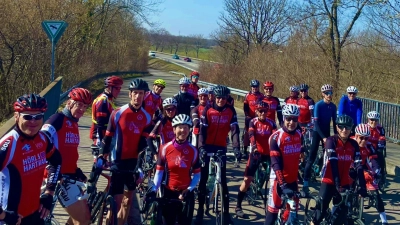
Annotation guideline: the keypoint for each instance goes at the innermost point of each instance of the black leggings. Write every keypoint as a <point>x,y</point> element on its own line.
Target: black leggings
<point>34,218</point>
<point>173,212</point>
<point>316,139</point>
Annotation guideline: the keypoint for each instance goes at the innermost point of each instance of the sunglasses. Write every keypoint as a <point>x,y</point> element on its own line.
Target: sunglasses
<point>268,89</point>
<point>341,127</point>
<point>159,86</point>
<point>363,138</point>
<point>32,117</point>
<point>352,93</point>
<point>291,118</point>
<point>221,97</point>
<point>195,77</point>
<point>328,93</point>
<point>170,109</point>
<point>303,90</point>
<point>262,111</point>
<point>374,120</point>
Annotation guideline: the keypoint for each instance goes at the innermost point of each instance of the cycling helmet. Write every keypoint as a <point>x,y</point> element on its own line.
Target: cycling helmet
<point>326,87</point>
<point>138,84</point>
<point>160,82</point>
<point>294,89</point>
<point>81,95</point>
<point>262,105</point>
<point>352,89</point>
<point>303,87</point>
<point>290,110</point>
<point>210,89</point>
<point>181,119</point>
<point>195,73</point>
<point>169,101</point>
<point>113,81</point>
<point>363,130</point>
<point>32,102</point>
<point>221,91</point>
<point>202,91</point>
<point>254,83</point>
<point>268,84</point>
<point>184,80</point>
<point>373,115</point>
<point>344,120</point>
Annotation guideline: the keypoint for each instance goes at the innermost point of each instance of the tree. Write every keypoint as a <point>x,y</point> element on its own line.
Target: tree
<point>198,41</point>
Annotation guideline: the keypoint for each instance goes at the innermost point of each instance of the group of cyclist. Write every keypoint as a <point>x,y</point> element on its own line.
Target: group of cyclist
<point>203,115</point>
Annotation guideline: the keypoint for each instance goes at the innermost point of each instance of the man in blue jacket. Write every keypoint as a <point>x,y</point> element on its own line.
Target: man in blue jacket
<point>352,106</point>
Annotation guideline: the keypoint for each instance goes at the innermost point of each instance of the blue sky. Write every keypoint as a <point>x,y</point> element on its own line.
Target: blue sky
<point>186,17</point>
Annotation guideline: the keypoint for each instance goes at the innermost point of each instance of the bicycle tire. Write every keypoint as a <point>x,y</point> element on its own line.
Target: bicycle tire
<point>97,205</point>
<point>360,207</point>
<point>219,214</point>
<point>108,204</point>
<point>358,222</point>
<point>310,211</point>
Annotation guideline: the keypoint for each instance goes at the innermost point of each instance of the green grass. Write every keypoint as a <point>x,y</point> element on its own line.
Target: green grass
<point>160,64</point>
<point>204,53</point>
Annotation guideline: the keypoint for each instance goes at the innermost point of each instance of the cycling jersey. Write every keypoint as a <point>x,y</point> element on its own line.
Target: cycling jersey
<point>274,107</point>
<point>230,101</point>
<point>22,164</point>
<point>186,102</point>
<point>250,103</point>
<point>130,127</point>
<point>102,107</point>
<point>338,158</point>
<point>64,132</point>
<point>193,89</point>
<point>324,113</point>
<point>152,102</point>
<point>377,133</point>
<point>164,129</point>
<point>259,133</point>
<point>306,106</point>
<point>351,108</point>
<point>179,161</point>
<point>195,115</point>
<point>216,122</point>
<point>291,101</point>
<point>285,149</point>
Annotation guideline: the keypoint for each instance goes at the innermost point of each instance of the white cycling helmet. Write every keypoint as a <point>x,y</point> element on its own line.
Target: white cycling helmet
<point>326,87</point>
<point>352,89</point>
<point>294,89</point>
<point>290,110</point>
<point>169,101</point>
<point>373,115</point>
<point>184,80</point>
<point>363,130</point>
<point>181,119</point>
<point>202,91</point>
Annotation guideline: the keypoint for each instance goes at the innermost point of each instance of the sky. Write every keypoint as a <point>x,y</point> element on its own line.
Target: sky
<point>187,17</point>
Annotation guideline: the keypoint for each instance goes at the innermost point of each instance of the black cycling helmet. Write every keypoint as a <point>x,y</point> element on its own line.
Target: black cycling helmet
<point>30,102</point>
<point>221,91</point>
<point>344,120</point>
<point>254,83</point>
<point>303,87</point>
<point>138,84</point>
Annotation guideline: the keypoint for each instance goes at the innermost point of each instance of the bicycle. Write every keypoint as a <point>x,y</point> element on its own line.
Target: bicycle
<point>382,164</point>
<point>256,186</point>
<point>214,187</point>
<point>284,218</point>
<point>156,207</point>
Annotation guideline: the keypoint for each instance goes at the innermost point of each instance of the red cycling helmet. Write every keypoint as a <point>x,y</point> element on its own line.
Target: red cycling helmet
<point>195,73</point>
<point>269,84</point>
<point>81,95</point>
<point>32,102</point>
<point>113,81</point>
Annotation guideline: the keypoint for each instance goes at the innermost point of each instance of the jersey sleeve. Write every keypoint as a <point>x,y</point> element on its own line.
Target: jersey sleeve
<point>195,119</point>
<point>8,144</point>
<point>52,126</point>
<point>311,105</point>
<point>54,161</point>
<point>203,127</point>
<point>358,164</point>
<point>196,168</point>
<point>246,107</point>
<point>359,111</point>
<point>160,167</point>
<point>105,149</point>
<point>101,114</point>
<point>153,135</point>
<point>330,151</point>
<point>279,111</point>
<point>276,157</point>
<point>317,128</point>
<point>334,116</point>
<point>251,135</point>
<point>341,105</point>
<point>234,129</point>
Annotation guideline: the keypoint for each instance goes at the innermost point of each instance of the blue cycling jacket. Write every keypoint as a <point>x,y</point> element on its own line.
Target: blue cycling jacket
<point>350,108</point>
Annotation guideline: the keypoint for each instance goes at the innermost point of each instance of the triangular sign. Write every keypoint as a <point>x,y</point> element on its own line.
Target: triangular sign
<point>54,29</point>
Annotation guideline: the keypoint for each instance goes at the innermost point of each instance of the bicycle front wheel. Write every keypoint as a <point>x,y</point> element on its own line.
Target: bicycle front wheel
<point>108,212</point>
<point>219,205</point>
<point>311,207</point>
<point>358,222</point>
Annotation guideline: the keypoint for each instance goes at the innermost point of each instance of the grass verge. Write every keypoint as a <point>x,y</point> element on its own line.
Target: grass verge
<point>159,64</point>
<point>204,53</point>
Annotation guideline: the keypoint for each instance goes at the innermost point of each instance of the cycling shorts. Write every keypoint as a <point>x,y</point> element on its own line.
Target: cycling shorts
<point>121,179</point>
<point>69,194</point>
<point>274,196</point>
<point>253,164</point>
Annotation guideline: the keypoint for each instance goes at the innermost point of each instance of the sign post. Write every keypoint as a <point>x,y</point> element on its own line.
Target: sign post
<point>54,30</point>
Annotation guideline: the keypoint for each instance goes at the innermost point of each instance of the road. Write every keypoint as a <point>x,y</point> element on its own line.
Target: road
<point>194,65</point>
<point>234,175</point>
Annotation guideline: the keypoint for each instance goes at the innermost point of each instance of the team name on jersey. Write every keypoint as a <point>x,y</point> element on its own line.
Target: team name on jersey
<point>291,149</point>
<point>345,157</point>
<point>219,119</point>
<point>71,138</point>
<point>34,161</point>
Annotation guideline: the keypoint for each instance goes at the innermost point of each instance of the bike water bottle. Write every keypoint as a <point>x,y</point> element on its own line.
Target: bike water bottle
<point>292,213</point>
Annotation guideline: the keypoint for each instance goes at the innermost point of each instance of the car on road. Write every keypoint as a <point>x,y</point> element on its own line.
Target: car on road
<point>175,56</point>
<point>187,59</point>
<point>152,54</point>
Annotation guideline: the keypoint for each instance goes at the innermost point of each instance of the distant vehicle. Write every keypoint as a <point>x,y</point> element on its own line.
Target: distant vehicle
<point>187,59</point>
<point>152,54</point>
<point>175,56</point>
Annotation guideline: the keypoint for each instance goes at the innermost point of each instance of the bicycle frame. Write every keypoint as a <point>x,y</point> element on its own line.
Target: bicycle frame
<point>292,207</point>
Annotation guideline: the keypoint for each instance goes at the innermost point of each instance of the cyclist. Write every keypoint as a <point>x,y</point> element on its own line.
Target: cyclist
<point>370,165</point>
<point>193,87</point>
<point>186,101</point>
<point>273,102</point>
<point>306,105</point>
<point>178,159</point>
<point>324,113</point>
<point>216,122</point>
<point>350,105</point>
<point>249,108</point>
<point>341,153</point>
<point>260,129</point>
<point>285,149</point>
<point>293,97</point>
<point>63,130</point>
<point>152,99</point>
<point>377,139</point>
<point>211,96</point>
<point>163,127</point>
<point>23,155</point>
<point>102,107</point>
<point>197,112</point>
<point>129,125</point>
